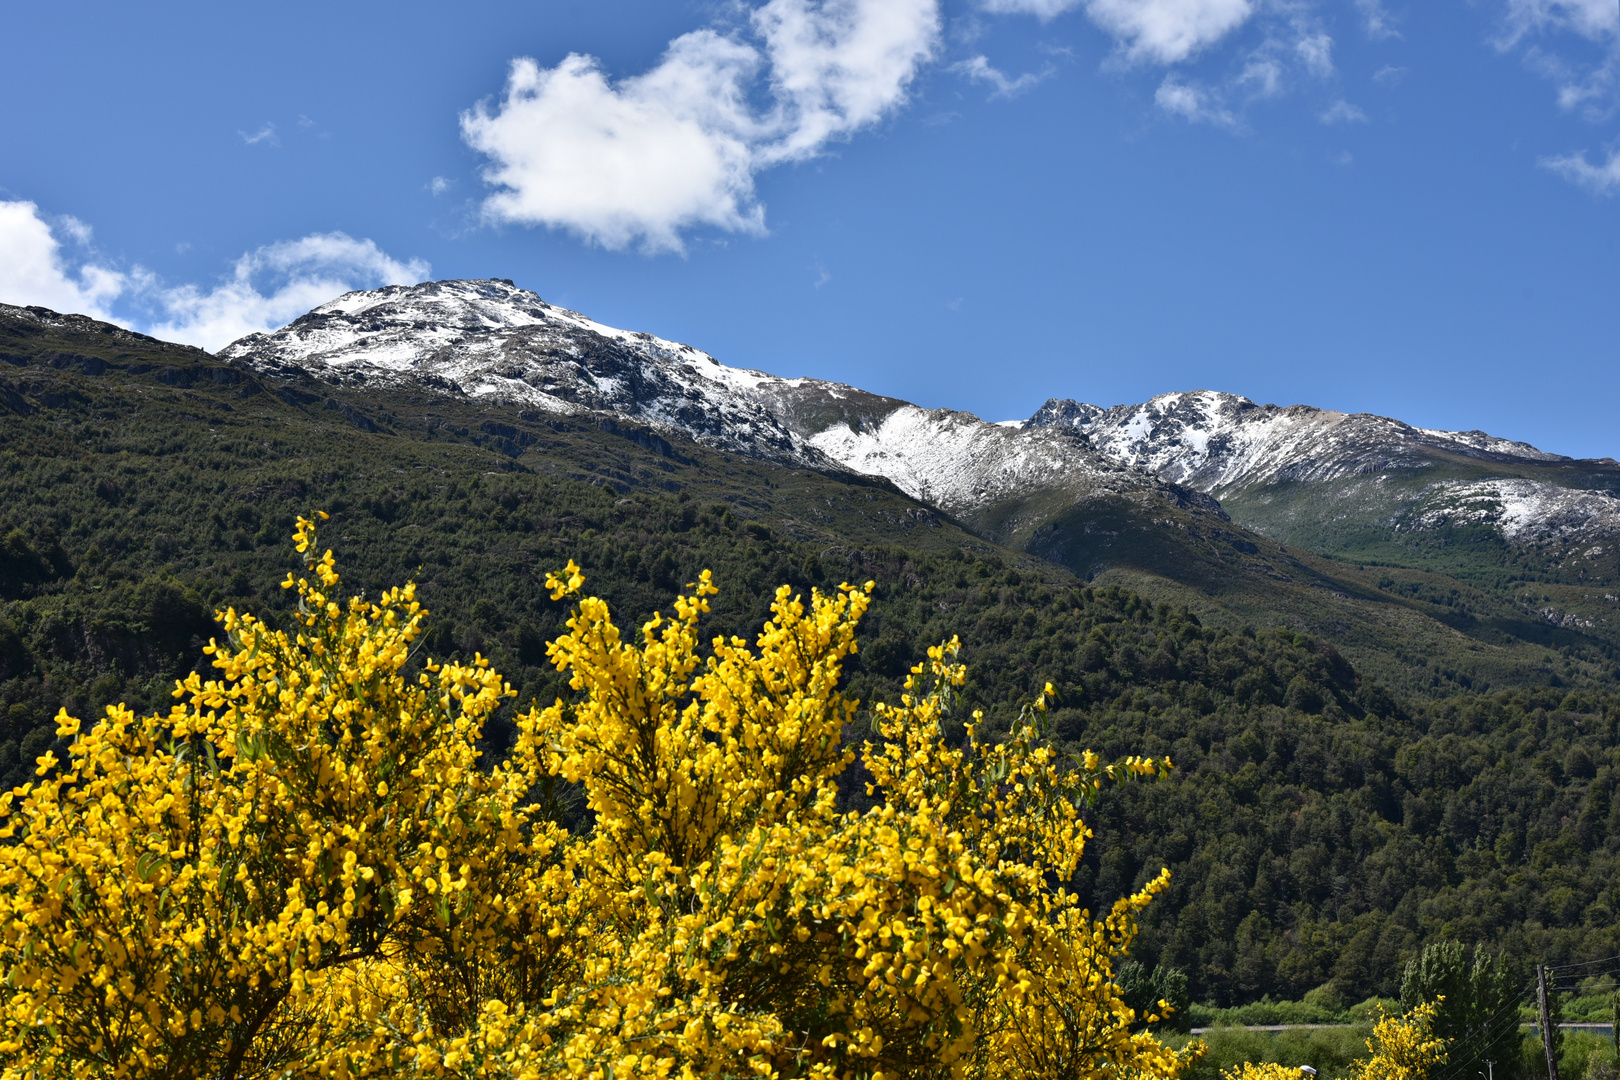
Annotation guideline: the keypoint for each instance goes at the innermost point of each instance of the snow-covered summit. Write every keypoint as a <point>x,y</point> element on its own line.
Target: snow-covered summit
<point>494,341</point>
<point>1226,445</point>
<point>1217,441</point>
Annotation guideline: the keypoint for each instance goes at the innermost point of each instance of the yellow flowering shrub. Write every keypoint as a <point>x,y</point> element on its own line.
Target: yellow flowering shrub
<point>1268,1070</point>
<point>301,870</point>
<point>172,893</point>
<point>1403,1046</point>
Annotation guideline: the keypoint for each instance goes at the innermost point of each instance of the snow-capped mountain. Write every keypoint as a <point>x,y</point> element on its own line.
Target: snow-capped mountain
<point>491,340</point>
<point>1230,447</point>
<point>1215,441</point>
<point>1297,474</point>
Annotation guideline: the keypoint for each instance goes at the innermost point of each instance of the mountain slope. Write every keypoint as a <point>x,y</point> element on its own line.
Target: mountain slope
<point>490,342</point>
<point>1319,825</point>
<point>1371,469</point>
<point>1076,486</point>
<point>1532,534</point>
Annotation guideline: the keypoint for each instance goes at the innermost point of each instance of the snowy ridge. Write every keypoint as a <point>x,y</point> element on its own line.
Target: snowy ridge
<point>1223,444</point>
<point>1524,510</point>
<point>492,340</point>
<point>956,461</point>
<point>1216,441</point>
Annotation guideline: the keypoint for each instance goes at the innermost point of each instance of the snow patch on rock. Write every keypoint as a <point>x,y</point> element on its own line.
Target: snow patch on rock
<point>1526,511</point>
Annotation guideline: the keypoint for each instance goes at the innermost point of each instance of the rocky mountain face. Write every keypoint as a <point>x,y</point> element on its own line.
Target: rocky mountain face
<point>493,341</point>
<point>1075,483</point>
<point>1301,472</point>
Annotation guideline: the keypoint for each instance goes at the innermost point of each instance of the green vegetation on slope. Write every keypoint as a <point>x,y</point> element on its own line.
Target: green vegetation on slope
<point>1326,818</point>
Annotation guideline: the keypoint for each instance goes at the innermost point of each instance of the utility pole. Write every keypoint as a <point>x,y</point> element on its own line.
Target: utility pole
<point>1490,1070</point>
<point>1546,1022</point>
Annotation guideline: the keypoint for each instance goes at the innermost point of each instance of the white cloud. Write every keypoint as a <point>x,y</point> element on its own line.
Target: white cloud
<point>1191,103</point>
<point>1262,76</point>
<point>656,154</point>
<point>1342,112</point>
<point>1389,75</point>
<point>1590,85</point>
<point>839,65</point>
<point>1044,10</point>
<point>1594,20</point>
<point>275,284</point>
<point>1603,179</point>
<point>439,185</point>
<point>1315,51</point>
<point>267,287</point>
<point>33,270</point>
<point>1156,31</point>
<point>1380,24</point>
<point>267,133</point>
<point>978,69</point>
<point>1168,31</point>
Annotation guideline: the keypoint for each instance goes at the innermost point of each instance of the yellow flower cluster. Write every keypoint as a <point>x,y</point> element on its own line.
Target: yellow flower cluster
<point>304,870</point>
<point>1403,1047</point>
<point>1265,1071</point>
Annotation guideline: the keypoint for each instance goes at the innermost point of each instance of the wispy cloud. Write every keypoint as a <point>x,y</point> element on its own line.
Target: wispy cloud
<point>266,287</point>
<point>1542,30</point>
<point>1379,23</point>
<point>1591,19</point>
<point>1315,51</point>
<point>645,159</point>
<point>1342,112</point>
<point>1044,10</point>
<point>265,134</point>
<point>1389,75</point>
<point>1601,179</point>
<point>439,185</point>
<point>1193,104</point>
<point>978,69</point>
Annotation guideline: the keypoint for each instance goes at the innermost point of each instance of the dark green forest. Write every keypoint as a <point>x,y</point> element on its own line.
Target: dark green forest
<point>1321,827</point>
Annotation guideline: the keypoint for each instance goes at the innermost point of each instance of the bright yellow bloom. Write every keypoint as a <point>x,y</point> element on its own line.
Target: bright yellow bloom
<point>303,869</point>
<point>1403,1047</point>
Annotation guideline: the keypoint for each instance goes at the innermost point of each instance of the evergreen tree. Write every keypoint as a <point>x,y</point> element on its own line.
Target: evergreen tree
<point>1477,1005</point>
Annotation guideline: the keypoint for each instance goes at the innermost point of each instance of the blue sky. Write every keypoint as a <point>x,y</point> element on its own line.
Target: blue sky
<point>1402,208</point>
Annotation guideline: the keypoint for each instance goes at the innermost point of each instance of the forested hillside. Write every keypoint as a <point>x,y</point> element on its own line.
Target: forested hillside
<point>1320,826</point>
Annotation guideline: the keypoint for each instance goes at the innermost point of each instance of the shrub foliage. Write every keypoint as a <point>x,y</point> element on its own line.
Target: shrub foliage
<point>304,869</point>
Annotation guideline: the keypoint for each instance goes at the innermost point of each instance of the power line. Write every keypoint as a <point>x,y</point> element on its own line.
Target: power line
<point>1459,1063</point>
<point>1583,963</point>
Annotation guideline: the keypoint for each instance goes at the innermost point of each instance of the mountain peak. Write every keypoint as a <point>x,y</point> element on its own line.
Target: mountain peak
<point>490,340</point>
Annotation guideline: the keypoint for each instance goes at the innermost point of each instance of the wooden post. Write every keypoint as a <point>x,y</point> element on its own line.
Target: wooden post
<point>1546,1022</point>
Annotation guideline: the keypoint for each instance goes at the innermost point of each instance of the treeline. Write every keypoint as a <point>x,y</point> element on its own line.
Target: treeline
<point>1311,851</point>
